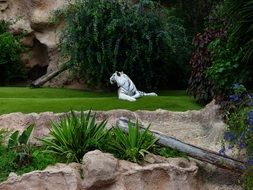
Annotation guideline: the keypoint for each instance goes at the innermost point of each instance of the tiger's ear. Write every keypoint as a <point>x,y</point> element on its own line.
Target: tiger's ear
<point>118,73</point>
<point>121,72</point>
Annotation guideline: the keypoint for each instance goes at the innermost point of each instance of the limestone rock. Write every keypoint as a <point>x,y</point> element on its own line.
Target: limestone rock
<point>58,177</point>
<point>101,171</point>
<point>202,128</point>
<point>34,18</point>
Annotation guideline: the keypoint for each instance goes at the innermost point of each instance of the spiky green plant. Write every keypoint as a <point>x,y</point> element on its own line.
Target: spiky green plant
<point>132,145</point>
<point>241,13</point>
<point>73,136</point>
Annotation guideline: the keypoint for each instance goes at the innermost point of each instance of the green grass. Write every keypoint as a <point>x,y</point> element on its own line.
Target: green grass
<point>26,100</point>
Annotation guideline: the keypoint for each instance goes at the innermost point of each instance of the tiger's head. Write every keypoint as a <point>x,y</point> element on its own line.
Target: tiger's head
<point>118,77</point>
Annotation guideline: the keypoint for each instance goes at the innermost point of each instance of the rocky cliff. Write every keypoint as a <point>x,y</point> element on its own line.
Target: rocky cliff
<point>34,18</point>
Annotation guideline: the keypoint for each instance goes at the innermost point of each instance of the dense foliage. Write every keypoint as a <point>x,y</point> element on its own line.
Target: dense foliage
<point>239,134</point>
<point>199,85</point>
<point>194,12</point>
<point>19,155</point>
<point>11,67</point>
<point>225,59</point>
<point>229,62</point>
<point>240,14</point>
<point>142,39</point>
<point>226,68</point>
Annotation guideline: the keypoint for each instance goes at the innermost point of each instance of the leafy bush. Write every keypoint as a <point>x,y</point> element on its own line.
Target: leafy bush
<point>226,68</point>
<point>11,67</point>
<point>20,146</point>
<point>20,156</point>
<point>39,161</point>
<point>73,136</point>
<point>199,85</point>
<point>141,39</point>
<point>132,145</point>
<point>239,119</point>
<point>240,15</point>
<point>229,52</point>
<point>239,134</point>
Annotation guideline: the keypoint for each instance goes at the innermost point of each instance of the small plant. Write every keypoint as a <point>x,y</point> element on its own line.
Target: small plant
<point>168,152</point>
<point>132,145</point>
<point>73,136</point>
<point>20,146</point>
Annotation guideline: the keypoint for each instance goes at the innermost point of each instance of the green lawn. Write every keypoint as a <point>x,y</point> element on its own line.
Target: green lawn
<point>26,100</point>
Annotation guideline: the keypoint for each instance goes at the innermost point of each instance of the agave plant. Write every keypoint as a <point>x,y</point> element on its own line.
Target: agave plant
<point>73,136</point>
<point>132,145</point>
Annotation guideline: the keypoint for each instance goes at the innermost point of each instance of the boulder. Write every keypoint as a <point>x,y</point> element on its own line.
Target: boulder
<point>129,176</point>
<point>99,169</point>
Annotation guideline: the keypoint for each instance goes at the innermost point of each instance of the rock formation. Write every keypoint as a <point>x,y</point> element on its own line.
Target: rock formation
<point>34,18</point>
<point>202,128</point>
<point>101,171</point>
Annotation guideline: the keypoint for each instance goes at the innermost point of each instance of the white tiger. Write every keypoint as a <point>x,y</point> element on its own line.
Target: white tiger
<point>127,89</point>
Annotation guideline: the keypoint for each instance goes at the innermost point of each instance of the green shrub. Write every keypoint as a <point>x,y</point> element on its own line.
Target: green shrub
<point>21,157</point>
<point>132,145</point>
<point>226,68</point>
<point>7,163</point>
<point>11,67</point>
<point>230,53</point>
<point>73,136</point>
<point>19,145</point>
<point>239,134</point>
<point>102,36</point>
<point>39,161</point>
<point>199,85</point>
